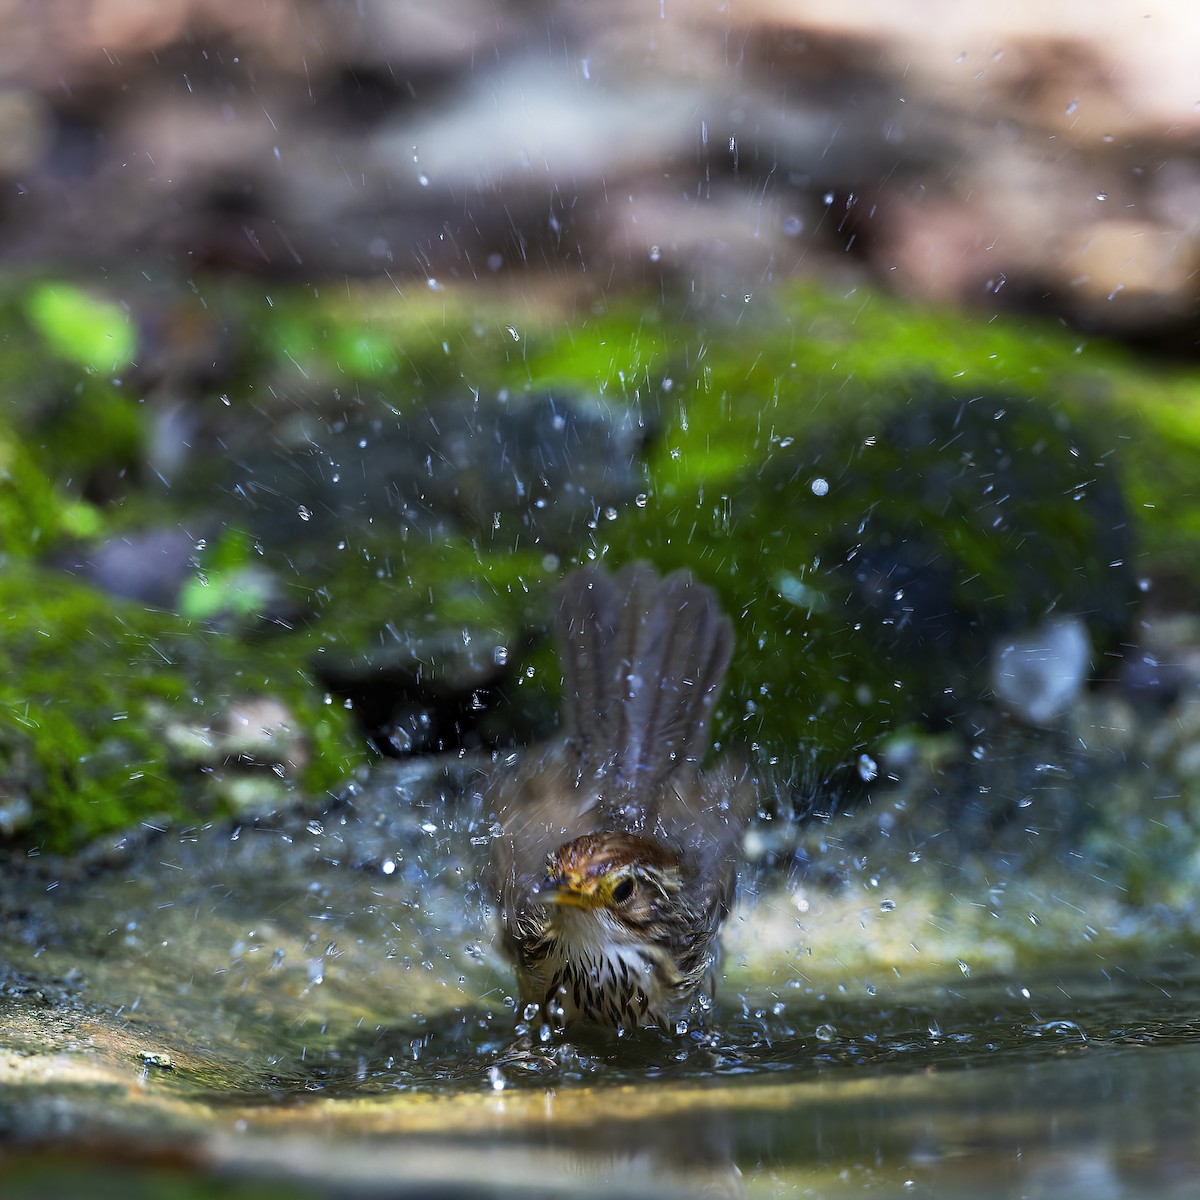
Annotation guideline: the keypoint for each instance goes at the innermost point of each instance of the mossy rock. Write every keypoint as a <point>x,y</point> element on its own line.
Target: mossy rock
<point>872,568</point>
<point>769,433</point>
<point>961,447</point>
<point>97,701</point>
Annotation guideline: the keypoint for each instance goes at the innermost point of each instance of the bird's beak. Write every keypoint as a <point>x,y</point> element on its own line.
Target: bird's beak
<point>559,889</point>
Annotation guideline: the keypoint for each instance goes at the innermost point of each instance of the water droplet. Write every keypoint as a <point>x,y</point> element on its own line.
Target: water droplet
<point>867,767</point>
<point>826,1033</point>
<point>1101,195</point>
<point>304,513</point>
<point>820,487</point>
<point>887,906</point>
<point>641,499</point>
<point>655,254</point>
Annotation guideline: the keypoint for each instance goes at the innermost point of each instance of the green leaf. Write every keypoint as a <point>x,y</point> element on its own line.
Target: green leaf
<point>82,328</point>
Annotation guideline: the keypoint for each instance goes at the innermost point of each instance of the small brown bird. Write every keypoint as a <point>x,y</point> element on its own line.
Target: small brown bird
<point>617,858</point>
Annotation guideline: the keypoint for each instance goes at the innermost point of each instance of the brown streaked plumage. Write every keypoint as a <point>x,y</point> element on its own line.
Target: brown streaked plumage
<point>616,863</point>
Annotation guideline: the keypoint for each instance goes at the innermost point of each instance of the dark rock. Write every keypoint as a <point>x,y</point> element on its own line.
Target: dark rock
<point>151,566</point>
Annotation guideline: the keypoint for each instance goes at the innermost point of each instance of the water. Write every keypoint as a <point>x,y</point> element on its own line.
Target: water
<point>975,1093</point>
<point>315,1006</point>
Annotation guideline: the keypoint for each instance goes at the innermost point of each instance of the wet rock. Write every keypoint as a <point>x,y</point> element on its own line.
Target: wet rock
<point>900,547</point>
<point>16,811</point>
<point>151,566</point>
<point>982,514</point>
<point>251,754</point>
<point>546,463</point>
<point>428,694</point>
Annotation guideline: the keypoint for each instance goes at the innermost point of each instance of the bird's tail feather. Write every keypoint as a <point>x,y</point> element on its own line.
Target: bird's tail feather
<point>644,658</point>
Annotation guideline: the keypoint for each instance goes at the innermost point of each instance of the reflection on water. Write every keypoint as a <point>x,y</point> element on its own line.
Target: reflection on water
<point>995,1022</point>
<point>319,1001</point>
<point>995,1103</point>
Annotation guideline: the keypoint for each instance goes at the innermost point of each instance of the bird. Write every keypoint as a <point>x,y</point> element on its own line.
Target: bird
<point>615,863</point>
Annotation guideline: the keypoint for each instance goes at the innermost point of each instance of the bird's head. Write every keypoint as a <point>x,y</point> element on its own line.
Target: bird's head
<point>627,877</point>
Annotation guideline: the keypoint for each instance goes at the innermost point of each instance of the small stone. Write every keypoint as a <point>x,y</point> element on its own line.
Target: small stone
<point>1040,674</point>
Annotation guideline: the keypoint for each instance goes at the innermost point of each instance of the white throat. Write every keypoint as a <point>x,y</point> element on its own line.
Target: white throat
<point>597,971</point>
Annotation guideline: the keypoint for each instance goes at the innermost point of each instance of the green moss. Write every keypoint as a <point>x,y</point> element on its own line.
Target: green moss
<point>35,515</point>
<point>956,482</point>
<point>743,411</point>
<point>92,692</point>
<point>747,409</point>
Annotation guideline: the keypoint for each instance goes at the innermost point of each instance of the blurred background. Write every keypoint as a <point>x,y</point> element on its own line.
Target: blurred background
<point>1033,156</point>
<point>332,333</point>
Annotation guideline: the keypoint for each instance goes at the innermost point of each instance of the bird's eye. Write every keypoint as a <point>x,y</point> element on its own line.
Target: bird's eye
<point>623,890</point>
